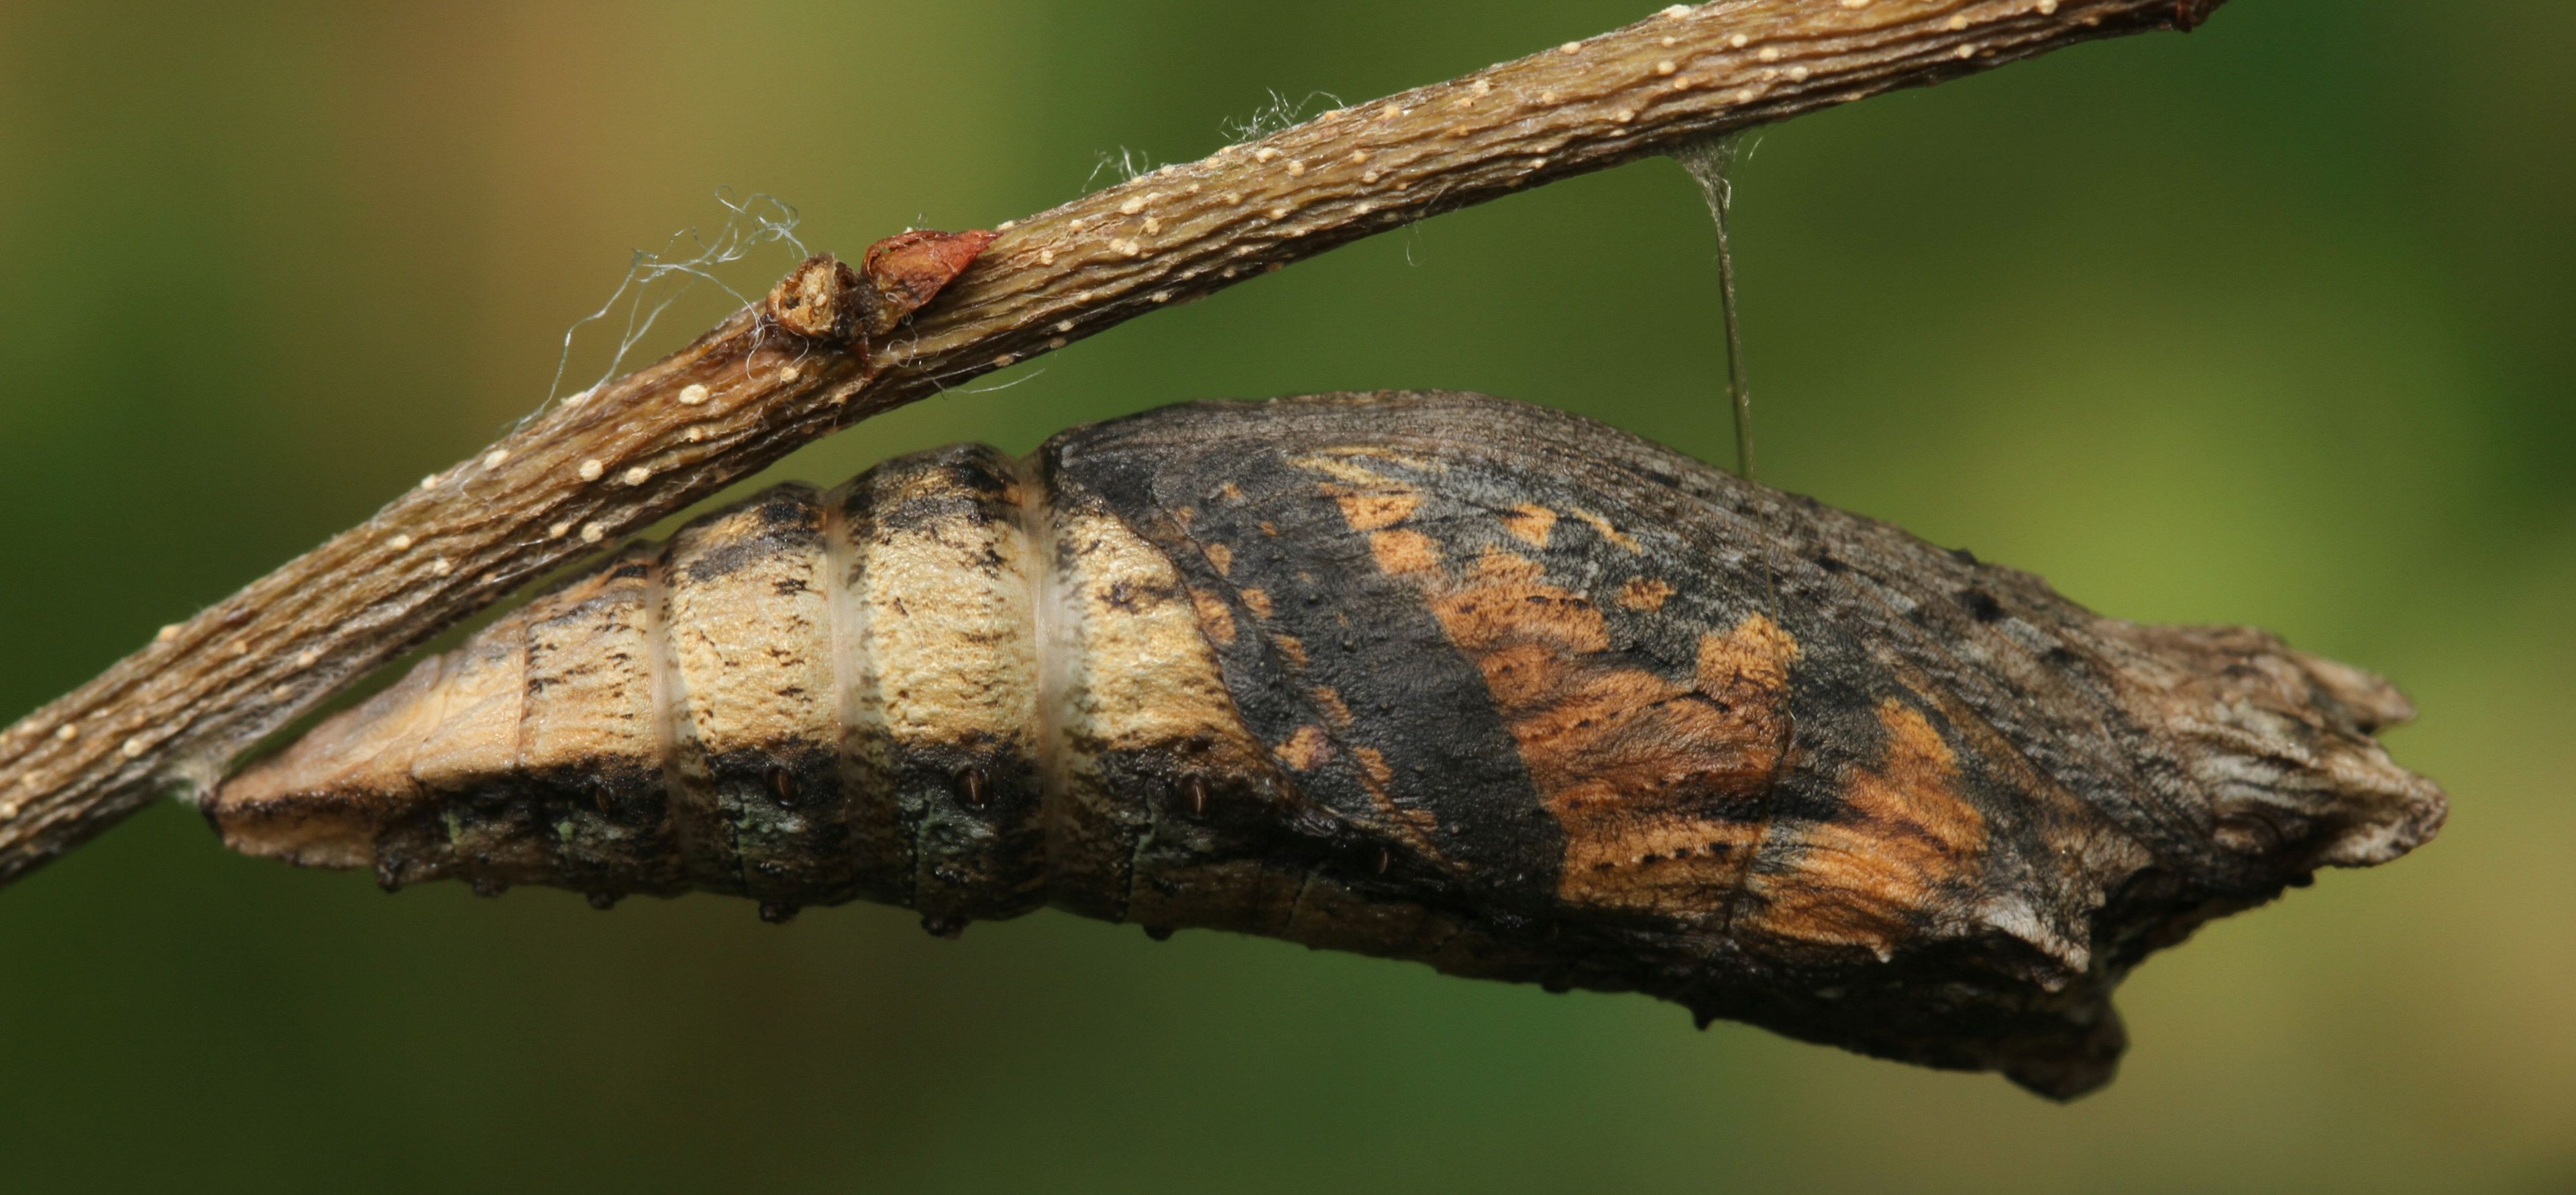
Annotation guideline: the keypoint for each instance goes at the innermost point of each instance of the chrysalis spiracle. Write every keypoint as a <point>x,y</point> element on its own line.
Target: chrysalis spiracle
<point>1425,675</point>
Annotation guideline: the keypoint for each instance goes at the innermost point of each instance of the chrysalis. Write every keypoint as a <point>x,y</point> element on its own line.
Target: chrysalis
<point>1425,675</point>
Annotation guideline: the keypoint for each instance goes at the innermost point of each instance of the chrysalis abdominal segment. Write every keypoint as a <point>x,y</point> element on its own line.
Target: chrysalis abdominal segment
<point>1431,676</point>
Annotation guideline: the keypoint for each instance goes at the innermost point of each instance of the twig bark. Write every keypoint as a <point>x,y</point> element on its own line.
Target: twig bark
<point>174,714</point>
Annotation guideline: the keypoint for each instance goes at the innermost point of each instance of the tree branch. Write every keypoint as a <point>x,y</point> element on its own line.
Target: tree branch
<point>767,380</point>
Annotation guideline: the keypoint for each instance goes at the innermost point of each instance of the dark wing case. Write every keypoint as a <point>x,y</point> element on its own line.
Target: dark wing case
<point>1631,723</point>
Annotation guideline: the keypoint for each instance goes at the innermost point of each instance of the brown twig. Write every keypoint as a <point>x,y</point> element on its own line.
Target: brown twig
<point>173,715</point>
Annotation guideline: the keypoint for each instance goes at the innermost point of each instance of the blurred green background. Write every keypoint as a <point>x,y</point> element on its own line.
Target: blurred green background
<point>2270,324</point>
